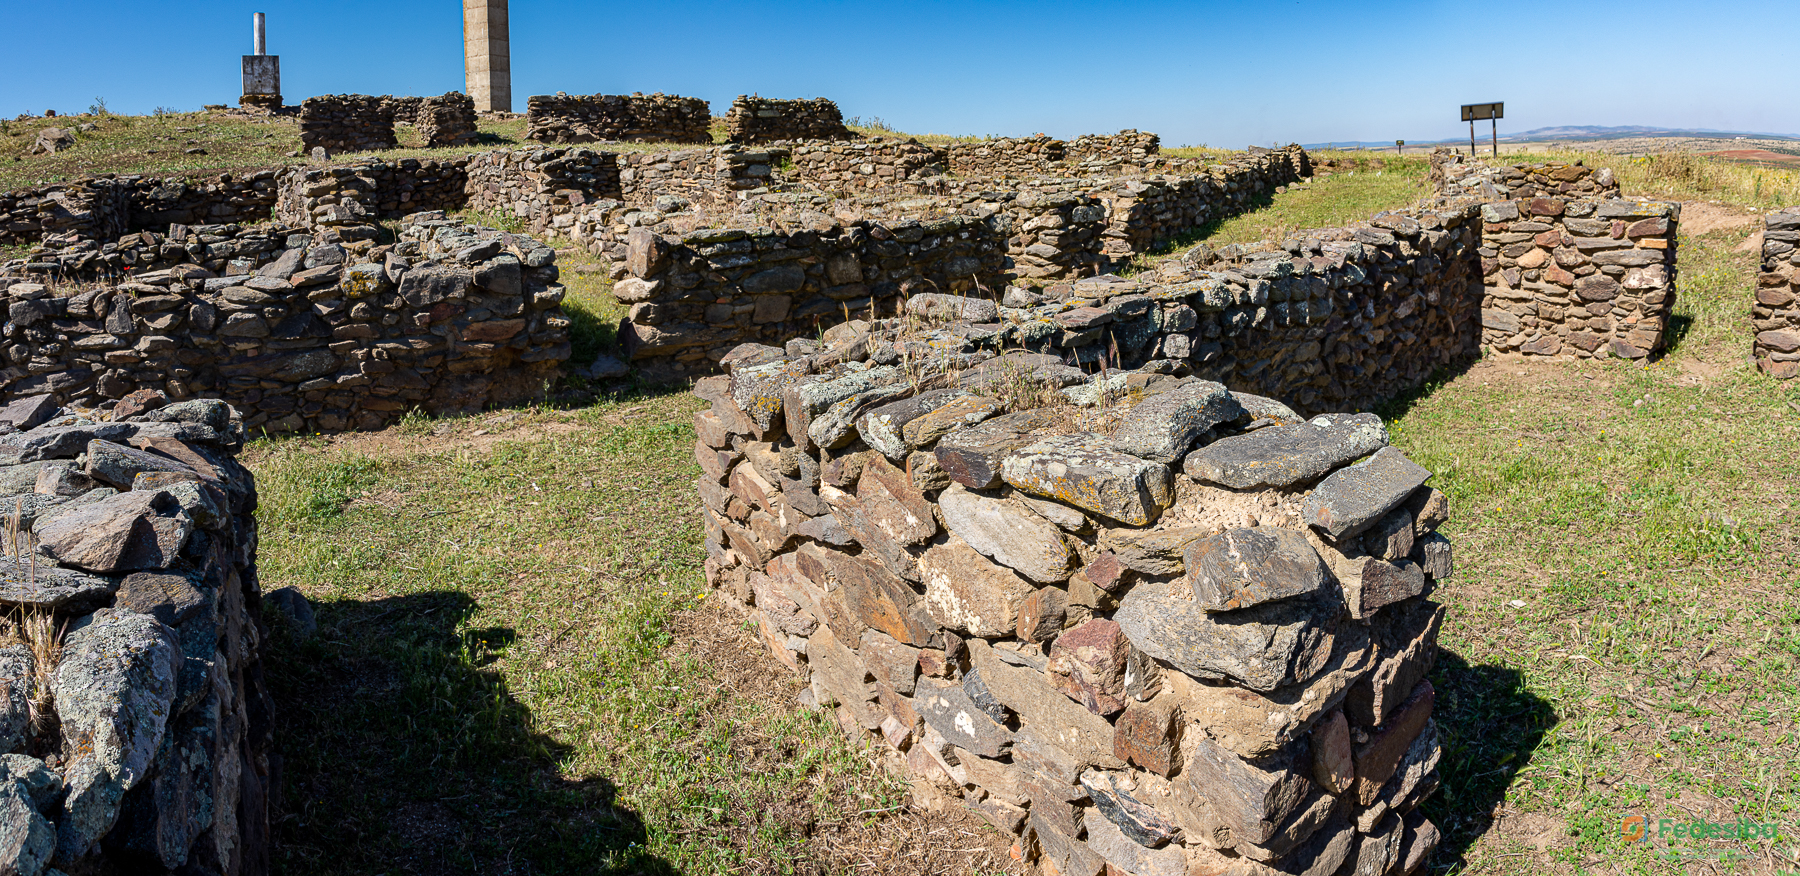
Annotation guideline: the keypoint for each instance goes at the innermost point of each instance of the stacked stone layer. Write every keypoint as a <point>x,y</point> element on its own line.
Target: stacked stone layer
<point>1578,278</point>
<point>147,747</point>
<point>754,120</point>
<point>659,118</point>
<point>447,120</point>
<point>347,123</point>
<point>1453,173</point>
<point>300,331</point>
<point>1143,623</point>
<point>105,207</point>
<point>1775,315</point>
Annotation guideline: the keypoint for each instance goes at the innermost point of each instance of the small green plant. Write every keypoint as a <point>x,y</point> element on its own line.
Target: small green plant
<point>98,107</point>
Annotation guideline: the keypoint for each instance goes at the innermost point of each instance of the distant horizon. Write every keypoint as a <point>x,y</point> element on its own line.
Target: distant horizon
<point>1208,73</point>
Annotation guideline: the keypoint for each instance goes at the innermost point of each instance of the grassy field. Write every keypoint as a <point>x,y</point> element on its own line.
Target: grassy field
<point>518,671</point>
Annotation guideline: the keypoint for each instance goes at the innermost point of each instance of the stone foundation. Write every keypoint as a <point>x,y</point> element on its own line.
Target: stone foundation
<point>146,748</point>
<point>1578,277</point>
<point>655,118</point>
<point>1775,315</point>
<point>300,330</point>
<point>754,120</point>
<point>347,123</point>
<point>1142,623</point>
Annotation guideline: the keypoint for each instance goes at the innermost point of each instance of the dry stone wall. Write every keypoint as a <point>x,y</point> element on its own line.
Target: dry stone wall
<point>447,120</point>
<point>756,120</point>
<point>353,197</point>
<point>1145,212</point>
<point>299,330</point>
<point>861,167</point>
<point>659,118</point>
<point>1005,157</point>
<point>105,207</point>
<point>1141,622</point>
<point>1128,147</point>
<point>1775,315</point>
<point>1578,277</point>
<point>347,123</point>
<point>145,747</point>
<point>1453,173</point>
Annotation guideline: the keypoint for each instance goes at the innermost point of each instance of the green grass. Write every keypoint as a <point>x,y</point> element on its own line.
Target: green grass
<point>516,668</point>
<point>1327,201</point>
<point>1641,517</point>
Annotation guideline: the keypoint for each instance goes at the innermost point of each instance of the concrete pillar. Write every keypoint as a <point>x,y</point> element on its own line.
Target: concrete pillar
<point>261,37</point>
<point>487,55</point>
<point>262,72</point>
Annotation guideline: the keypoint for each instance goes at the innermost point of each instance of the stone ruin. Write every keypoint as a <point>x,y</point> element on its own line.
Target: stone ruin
<point>141,743</point>
<point>753,120</point>
<point>363,123</point>
<point>654,118</point>
<point>303,328</point>
<point>1775,315</point>
<point>1142,623</point>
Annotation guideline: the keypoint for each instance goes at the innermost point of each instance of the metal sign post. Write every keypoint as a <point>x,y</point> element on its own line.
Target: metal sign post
<point>1489,111</point>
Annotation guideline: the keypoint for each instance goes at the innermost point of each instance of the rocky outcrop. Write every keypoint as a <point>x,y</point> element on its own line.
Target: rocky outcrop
<point>1141,622</point>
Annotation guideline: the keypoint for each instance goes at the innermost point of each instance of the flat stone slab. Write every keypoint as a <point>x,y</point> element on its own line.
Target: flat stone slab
<point>1008,533</point>
<point>972,455</point>
<point>1162,427</point>
<point>1353,499</point>
<point>956,717</point>
<point>45,585</point>
<point>883,427</point>
<point>1084,471</point>
<point>1261,648</point>
<point>1240,568</point>
<point>1283,456</point>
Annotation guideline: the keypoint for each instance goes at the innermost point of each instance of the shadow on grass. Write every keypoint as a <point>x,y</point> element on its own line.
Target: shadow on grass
<point>403,754</point>
<point>1490,724</point>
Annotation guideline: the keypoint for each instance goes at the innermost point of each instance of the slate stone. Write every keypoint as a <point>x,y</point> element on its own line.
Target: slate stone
<point>1079,736</point>
<point>172,599</point>
<point>883,427</point>
<point>27,839</point>
<point>115,690</point>
<point>293,605</point>
<point>1352,499</point>
<point>984,698</point>
<point>1253,797</point>
<point>118,466</point>
<point>16,676</point>
<point>61,442</point>
<point>1257,408</point>
<point>972,455</point>
<point>967,592</point>
<point>807,397</point>
<point>1147,735</point>
<point>1392,536</point>
<point>1240,568</point>
<point>963,723</point>
<point>1008,533</point>
<point>1165,426</point>
<point>934,305</point>
<point>963,410</point>
<point>1285,456</point>
<point>43,585</point>
<point>1433,554</point>
<point>872,594</point>
<point>836,427</point>
<point>1334,765</point>
<point>1377,758</point>
<point>1083,471</point>
<point>1325,852</point>
<point>1152,551</point>
<point>1042,613</point>
<point>1374,584</point>
<point>426,285</point>
<point>122,533</point>
<point>24,477</point>
<point>1406,649</point>
<point>1420,842</point>
<point>1068,855</point>
<point>1138,821</point>
<point>1262,648</point>
<point>757,392</point>
<point>1087,663</point>
<point>29,412</point>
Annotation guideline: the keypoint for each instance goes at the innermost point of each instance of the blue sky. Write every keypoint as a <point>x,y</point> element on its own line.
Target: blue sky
<point>1222,74</point>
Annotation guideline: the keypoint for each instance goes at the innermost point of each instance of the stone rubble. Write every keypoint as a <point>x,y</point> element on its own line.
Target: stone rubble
<point>1142,624</point>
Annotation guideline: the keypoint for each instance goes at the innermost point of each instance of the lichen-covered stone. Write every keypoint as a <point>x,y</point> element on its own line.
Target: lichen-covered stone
<point>1284,456</point>
<point>1083,471</point>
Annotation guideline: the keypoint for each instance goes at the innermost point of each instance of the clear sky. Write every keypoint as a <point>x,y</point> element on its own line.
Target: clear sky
<point>1220,74</point>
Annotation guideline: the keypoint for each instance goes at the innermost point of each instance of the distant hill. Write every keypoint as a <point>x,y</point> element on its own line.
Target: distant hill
<point>1564,132</point>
